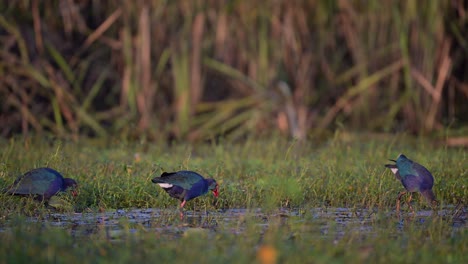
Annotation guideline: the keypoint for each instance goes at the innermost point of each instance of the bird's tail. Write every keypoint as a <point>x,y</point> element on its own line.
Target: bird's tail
<point>430,197</point>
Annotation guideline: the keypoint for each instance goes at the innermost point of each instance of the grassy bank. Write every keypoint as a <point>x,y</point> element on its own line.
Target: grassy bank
<point>342,172</point>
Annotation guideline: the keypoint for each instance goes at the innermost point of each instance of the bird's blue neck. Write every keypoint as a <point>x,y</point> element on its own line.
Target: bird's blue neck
<point>405,167</point>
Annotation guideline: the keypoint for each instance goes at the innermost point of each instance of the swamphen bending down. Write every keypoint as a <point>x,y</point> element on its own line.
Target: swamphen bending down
<point>415,178</point>
<point>41,183</point>
<point>185,185</point>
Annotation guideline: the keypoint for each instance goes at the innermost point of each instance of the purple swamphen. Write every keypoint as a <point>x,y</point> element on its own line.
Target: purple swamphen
<point>186,185</point>
<point>415,178</point>
<point>41,183</point>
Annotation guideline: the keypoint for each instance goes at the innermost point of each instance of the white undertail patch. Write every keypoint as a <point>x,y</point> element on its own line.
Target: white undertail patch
<point>394,170</point>
<point>165,185</point>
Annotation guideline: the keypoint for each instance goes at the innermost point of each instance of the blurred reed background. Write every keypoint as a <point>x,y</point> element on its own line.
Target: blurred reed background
<point>195,70</point>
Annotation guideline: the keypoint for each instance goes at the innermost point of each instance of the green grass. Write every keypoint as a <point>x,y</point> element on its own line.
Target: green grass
<point>269,174</point>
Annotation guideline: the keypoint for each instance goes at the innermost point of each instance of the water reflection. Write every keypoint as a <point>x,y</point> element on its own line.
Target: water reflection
<point>322,222</point>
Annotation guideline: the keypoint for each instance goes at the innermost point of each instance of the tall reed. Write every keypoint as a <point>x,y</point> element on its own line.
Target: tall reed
<point>95,67</point>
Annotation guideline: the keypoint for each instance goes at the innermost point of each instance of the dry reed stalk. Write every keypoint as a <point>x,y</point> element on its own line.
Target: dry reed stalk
<point>63,97</point>
<point>457,141</point>
<point>99,32</point>
<point>196,86</point>
<point>145,96</point>
<point>356,90</point>
<point>37,26</point>
<point>442,78</point>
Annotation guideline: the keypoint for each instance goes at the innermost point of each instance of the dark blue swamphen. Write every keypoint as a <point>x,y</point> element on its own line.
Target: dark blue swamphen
<point>185,185</point>
<point>415,178</point>
<point>42,184</point>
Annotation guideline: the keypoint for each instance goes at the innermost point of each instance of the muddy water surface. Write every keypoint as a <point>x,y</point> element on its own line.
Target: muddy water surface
<point>324,222</point>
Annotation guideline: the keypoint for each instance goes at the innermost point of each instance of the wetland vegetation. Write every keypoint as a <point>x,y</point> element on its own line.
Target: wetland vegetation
<point>293,107</point>
<point>321,202</point>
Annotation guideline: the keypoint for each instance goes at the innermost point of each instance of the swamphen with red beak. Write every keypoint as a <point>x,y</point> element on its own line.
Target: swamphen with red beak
<point>186,185</point>
<point>415,178</point>
<point>41,183</point>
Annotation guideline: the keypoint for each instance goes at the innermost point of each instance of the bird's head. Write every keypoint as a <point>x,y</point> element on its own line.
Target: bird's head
<point>72,185</point>
<point>401,158</point>
<point>402,163</point>
<point>213,186</point>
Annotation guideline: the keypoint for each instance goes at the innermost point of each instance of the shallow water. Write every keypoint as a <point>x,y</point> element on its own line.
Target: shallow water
<point>324,222</point>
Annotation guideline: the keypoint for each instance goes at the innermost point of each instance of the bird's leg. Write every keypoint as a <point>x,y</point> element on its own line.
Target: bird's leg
<point>409,203</point>
<point>398,202</point>
<point>182,210</point>
<point>181,215</point>
<point>434,205</point>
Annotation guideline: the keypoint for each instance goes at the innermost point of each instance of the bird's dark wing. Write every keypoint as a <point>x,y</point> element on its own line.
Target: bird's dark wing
<point>426,178</point>
<point>184,179</point>
<point>34,182</point>
<point>176,192</point>
<point>411,183</point>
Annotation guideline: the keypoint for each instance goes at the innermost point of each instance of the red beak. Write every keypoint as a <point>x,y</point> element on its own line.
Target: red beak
<point>216,192</point>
